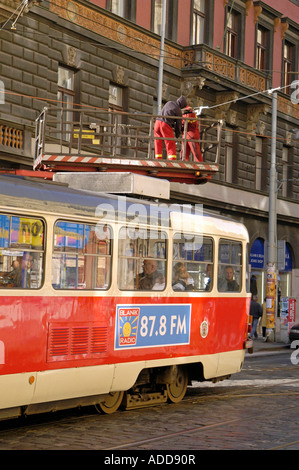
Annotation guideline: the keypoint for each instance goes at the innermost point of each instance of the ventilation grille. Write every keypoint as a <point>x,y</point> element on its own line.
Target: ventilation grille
<point>76,341</point>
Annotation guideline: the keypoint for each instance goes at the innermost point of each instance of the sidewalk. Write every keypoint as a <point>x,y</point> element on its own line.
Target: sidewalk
<point>270,347</point>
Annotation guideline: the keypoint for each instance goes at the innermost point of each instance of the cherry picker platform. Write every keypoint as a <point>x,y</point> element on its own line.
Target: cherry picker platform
<point>89,140</point>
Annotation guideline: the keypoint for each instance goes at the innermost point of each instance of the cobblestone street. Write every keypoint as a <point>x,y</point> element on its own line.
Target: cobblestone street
<point>254,410</point>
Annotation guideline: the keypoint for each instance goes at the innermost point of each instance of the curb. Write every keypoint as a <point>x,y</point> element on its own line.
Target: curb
<point>270,350</point>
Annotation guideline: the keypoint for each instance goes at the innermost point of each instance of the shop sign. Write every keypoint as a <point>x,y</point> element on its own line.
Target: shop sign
<point>257,254</point>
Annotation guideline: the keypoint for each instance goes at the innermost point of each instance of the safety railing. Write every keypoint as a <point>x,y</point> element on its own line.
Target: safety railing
<point>85,132</point>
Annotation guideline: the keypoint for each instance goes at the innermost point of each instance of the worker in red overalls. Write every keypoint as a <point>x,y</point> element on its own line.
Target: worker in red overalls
<point>192,133</point>
<point>169,128</point>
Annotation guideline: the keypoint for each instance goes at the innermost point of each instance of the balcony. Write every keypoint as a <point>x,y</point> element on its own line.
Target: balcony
<point>236,72</point>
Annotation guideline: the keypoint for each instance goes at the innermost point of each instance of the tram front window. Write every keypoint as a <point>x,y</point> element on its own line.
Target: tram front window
<point>230,266</point>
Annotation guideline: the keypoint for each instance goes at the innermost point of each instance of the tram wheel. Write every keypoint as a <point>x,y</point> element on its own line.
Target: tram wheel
<point>111,403</point>
<point>177,389</point>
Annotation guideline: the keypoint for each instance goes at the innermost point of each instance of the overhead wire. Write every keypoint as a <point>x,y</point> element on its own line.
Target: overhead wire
<point>21,5</point>
<point>97,108</point>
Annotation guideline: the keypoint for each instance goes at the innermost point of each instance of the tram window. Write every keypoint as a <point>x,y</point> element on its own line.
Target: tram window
<point>192,263</point>
<point>21,252</point>
<point>230,266</point>
<point>141,259</point>
<point>81,256</point>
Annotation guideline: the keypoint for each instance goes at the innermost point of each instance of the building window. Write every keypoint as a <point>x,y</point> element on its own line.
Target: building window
<point>258,162</point>
<point>171,18</point>
<point>228,164</point>
<point>117,120</point>
<point>288,65</point>
<point>115,97</point>
<point>66,100</point>
<point>261,45</point>
<point>232,34</point>
<point>66,86</point>
<point>285,161</point>
<point>199,21</point>
<point>124,8</point>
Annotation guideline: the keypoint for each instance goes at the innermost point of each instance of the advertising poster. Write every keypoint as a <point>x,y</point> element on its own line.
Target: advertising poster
<point>292,313</point>
<point>144,326</point>
<point>270,301</point>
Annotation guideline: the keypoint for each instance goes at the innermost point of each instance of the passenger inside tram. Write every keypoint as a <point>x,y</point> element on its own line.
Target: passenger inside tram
<point>228,283</point>
<point>182,280</point>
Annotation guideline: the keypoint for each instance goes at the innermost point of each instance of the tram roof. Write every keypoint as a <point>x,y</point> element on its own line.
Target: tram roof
<point>19,192</point>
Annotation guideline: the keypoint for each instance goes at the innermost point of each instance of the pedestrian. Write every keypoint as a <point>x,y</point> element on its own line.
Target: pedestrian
<point>193,134</point>
<point>168,128</point>
<point>256,312</point>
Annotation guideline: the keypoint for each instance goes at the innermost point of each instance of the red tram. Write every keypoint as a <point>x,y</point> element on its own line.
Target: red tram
<point>110,301</point>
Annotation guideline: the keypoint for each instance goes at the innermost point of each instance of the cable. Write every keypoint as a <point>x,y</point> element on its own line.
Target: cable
<point>135,114</point>
<point>22,5</point>
<point>270,91</point>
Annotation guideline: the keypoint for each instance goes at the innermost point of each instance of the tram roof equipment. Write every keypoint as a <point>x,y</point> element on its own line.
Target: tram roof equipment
<point>89,140</point>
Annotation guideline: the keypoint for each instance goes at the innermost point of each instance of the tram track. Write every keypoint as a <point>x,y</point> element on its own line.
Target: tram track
<point>199,429</point>
<point>210,396</point>
<point>206,428</point>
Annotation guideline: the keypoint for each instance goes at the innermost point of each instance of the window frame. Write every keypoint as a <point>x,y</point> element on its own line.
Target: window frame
<point>79,254</point>
<point>188,262</point>
<point>237,30</point>
<point>229,157</point>
<point>287,76</point>
<point>232,34</point>
<point>138,256</point>
<point>261,48</point>
<point>198,15</point>
<point>171,25</point>
<point>65,126</point>
<point>14,251</point>
<point>126,9</point>
<point>258,162</point>
<point>229,263</point>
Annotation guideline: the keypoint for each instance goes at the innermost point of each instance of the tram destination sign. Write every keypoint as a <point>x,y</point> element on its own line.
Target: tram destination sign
<point>145,326</point>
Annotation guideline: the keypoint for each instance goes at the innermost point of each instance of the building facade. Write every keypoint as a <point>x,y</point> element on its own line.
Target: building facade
<point>223,55</point>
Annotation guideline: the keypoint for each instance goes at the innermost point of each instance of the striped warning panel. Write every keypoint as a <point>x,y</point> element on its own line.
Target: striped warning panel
<point>159,164</point>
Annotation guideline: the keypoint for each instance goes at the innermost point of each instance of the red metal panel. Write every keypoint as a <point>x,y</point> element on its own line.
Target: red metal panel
<point>38,332</point>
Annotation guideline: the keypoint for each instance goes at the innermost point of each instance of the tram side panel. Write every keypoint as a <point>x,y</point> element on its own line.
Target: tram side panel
<point>63,346</point>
